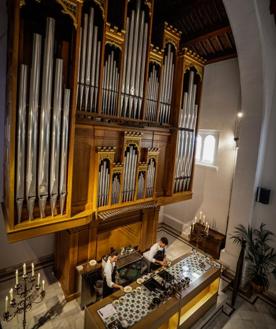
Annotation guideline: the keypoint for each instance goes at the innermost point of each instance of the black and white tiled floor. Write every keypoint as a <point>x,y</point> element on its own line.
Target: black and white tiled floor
<point>54,313</point>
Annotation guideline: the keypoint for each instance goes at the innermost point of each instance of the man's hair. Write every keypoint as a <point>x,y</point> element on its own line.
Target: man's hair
<point>114,253</point>
<point>164,240</point>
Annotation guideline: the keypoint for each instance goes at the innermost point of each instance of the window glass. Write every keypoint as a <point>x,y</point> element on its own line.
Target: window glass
<point>198,147</point>
<point>209,149</point>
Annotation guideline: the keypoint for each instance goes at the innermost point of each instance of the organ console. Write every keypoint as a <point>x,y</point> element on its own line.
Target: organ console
<point>99,121</point>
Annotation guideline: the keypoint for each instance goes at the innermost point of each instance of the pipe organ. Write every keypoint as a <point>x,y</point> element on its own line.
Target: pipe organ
<point>98,118</point>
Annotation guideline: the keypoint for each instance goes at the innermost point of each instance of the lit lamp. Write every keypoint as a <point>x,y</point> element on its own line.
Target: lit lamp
<point>237,128</point>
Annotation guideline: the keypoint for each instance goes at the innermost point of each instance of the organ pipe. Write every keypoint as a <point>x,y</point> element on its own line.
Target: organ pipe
<point>44,140</point>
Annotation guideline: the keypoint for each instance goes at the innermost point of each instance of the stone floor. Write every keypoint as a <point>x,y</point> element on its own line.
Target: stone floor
<point>54,313</point>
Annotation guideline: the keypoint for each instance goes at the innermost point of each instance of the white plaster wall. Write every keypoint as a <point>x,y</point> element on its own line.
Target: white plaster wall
<point>16,253</point>
<point>219,104</point>
<point>254,32</point>
<point>267,160</point>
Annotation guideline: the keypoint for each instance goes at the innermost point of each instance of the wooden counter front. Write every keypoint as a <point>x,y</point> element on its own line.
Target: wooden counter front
<point>174,313</point>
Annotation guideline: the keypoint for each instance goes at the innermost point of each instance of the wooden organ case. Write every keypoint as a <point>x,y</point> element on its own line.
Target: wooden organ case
<point>100,126</point>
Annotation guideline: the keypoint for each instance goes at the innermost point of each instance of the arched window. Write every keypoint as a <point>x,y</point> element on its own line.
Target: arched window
<point>209,148</point>
<point>206,147</point>
<point>198,147</point>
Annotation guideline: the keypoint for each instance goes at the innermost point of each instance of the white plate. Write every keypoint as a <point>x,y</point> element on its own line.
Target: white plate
<point>127,289</point>
<point>92,262</point>
<point>116,302</point>
<point>140,280</point>
<point>138,289</point>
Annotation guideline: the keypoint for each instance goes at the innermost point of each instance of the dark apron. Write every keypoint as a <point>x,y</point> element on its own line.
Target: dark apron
<point>106,289</point>
<point>160,255</point>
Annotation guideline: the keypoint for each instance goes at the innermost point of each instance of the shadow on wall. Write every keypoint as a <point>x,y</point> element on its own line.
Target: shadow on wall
<point>24,251</point>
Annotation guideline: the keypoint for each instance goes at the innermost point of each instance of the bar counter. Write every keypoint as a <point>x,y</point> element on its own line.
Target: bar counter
<point>176,312</point>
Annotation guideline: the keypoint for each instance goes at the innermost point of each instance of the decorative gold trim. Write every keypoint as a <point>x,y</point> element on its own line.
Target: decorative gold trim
<point>101,4</point>
<point>117,168</point>
<point>156,55</point>
<point>114,37</point>
<point>192,59</point>
<point>132,137</point>
<point>142,167</point>
<point>106,152</point>
<point>70,8</point>
<point>171,35</point>
<point>22,3</point>
<point>148,3</point>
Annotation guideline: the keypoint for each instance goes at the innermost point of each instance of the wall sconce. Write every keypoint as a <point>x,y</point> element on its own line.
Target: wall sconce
<point>237,128</point>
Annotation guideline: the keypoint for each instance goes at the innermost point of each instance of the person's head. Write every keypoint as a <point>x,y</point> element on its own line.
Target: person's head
<point>114,256</point>
<point>163,242</point>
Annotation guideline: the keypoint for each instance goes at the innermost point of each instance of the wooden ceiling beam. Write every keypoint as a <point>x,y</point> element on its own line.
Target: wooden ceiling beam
<point>222,57</point>
<point>216,32</point>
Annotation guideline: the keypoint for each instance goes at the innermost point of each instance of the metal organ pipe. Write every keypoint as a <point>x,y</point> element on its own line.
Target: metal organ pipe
<point>88,57</point>
<point>83,59</point>
<point>134,63</point>
<point>64,150</point>
<point>31,162</point>
<point>115,189</point>
<point>189,109</point>
<point>141,182</point>
<point>143,67</point>
<point>93,69</point>
<point>150,178</point>
<point>21,140</point>
<point>110,84</point>
<point>43,161</point>
<point>89,64</point>
<point>55,149</point>
<point>152,94</point>
<point>166,86</point>
<point>41,164</point>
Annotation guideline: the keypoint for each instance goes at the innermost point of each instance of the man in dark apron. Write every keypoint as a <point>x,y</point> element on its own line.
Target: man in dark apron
<point>109,275</point>
<point>157,255</point>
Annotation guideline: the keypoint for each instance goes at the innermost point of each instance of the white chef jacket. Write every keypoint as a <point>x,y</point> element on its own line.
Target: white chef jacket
<point>153,250</point>
<point>108,270</point>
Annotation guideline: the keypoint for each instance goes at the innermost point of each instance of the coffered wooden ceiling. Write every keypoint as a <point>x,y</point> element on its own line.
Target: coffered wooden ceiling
<point>204,25</point>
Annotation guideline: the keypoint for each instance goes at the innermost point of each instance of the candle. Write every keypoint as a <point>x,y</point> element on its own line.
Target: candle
<point>38,279</point>
<point>32,269</point>
<point>200,214</point>
<point>24,269</point>
<point>16,277</point>
<point>43,285</point>
<point>6,304</point>
<point>195,219</point>
<point>11,295</point>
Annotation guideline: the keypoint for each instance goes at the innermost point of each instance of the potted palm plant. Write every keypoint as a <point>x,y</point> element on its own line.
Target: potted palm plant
<point>260,256</point>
